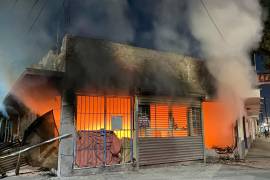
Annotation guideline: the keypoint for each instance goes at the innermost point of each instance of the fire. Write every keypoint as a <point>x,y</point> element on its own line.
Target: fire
<point>167,121</point>
<point>91,113</point>
<point>40,99</point>
<point>219,123</point>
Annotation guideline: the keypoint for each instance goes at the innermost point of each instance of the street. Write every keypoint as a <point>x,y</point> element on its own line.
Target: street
<point>256,166</point>
<point>145,89</point>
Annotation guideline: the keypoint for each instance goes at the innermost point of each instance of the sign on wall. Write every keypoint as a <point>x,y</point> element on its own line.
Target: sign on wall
<point>116,122</point>
<point>263,78</point>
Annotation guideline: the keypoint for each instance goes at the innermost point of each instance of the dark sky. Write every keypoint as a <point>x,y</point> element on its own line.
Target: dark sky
<point>265,88</point>
<point>28,28</point>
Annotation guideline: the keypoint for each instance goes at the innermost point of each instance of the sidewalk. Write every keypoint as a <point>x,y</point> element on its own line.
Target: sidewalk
<point>256,166</point>
<point>259,154</point>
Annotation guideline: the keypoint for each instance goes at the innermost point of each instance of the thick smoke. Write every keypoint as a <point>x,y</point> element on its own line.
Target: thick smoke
<point>103,19</point>
<point>19,47</point>
<point>227,51</point>
<point>171,30</point>
<point>24,42</point>
<point>174,25</point>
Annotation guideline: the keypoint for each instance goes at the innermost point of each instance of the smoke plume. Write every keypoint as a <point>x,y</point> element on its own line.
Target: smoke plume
<point>174,25</point>
<point>29,30</point>
<point>227,33</point>
<point>171,30</point>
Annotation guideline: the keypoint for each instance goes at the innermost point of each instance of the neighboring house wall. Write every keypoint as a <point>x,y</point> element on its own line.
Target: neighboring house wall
<point>240,143</point>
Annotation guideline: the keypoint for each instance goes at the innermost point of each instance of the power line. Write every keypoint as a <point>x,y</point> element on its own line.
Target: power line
<point>212,20</point>
<point>66,6</point>
<point>34,4</point>
<point>58,45</point>
<point>38,15</point>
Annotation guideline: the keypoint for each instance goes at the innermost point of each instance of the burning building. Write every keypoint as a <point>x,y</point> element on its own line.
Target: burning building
<point>124,106</point>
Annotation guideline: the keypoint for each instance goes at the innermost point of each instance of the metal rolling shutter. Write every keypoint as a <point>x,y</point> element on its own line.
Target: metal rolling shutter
<point>165,142</point>
<point>167,150</point>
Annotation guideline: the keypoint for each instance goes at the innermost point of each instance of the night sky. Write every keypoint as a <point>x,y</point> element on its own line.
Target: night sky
<point>264,88</point>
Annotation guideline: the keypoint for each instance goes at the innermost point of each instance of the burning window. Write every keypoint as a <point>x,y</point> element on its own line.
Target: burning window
<point>104,128</point>
<point>163,120</point>
<point>144,116</point>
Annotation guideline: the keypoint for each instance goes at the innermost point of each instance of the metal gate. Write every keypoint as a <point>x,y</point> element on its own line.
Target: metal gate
<point>6,130</point>
<point>104,126</point>
<point>169,131</point>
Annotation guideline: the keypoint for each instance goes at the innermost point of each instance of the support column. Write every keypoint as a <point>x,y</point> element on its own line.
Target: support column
<point>136,132</point>
<point>66,145</point>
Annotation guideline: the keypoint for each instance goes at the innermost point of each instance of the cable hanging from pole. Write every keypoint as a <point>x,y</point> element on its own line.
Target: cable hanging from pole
<point>32,7</point>
<point>212,20</point>
<point>38,15</point>
<point>66,6</point>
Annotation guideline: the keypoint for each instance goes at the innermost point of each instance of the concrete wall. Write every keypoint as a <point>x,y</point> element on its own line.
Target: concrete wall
<point>250,128</point>
<point>241,143</point>
<point>66,145</point>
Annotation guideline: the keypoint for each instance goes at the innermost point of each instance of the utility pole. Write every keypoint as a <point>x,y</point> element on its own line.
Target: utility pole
<point>58,46</point>
<point>66,6</point>
<point>65,24</point>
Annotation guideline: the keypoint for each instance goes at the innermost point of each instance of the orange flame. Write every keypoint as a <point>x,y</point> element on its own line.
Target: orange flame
<point>91,113</point>
<point>219,123</point>
<point>40,99</point>
<point>159,120</point>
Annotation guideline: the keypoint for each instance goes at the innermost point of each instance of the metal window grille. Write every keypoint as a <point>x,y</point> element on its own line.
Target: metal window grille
<point>104,126</point>
<point>6,130</point>
<point>168,120</point>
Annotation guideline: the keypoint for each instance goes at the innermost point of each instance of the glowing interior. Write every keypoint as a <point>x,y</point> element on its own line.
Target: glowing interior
<point>218,125</point>
<point>97,112</point>
<point>162,124</point>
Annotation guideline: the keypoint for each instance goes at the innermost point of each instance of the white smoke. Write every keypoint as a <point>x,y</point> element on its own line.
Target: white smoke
<point>227,51</point>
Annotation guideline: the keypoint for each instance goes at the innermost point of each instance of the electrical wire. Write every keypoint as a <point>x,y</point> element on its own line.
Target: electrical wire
<point>33,6</point>
<point>66,6</point>
<point>212,19</point>
<point>38,16</point>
